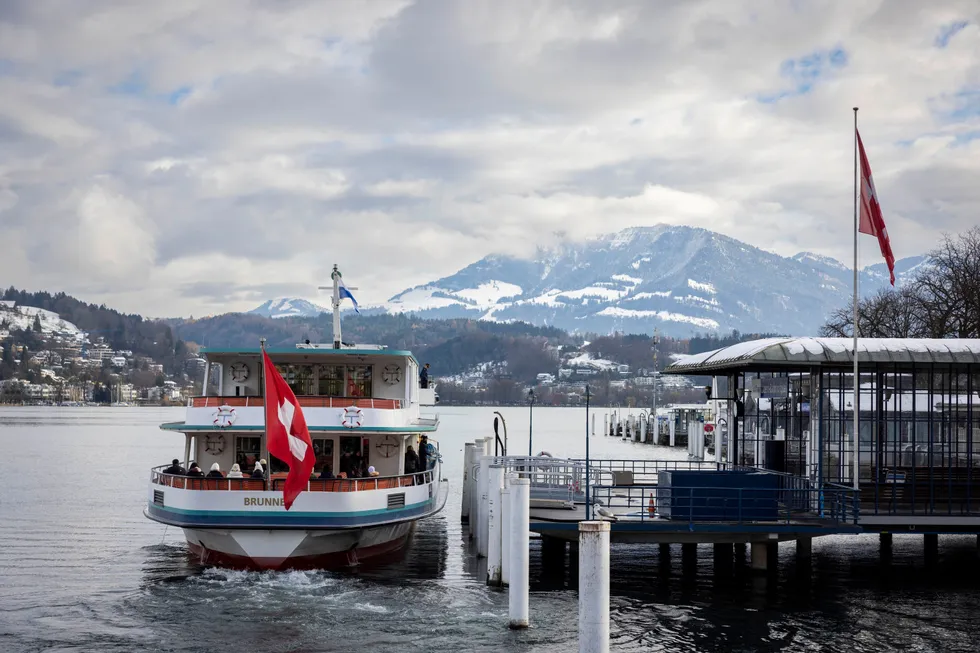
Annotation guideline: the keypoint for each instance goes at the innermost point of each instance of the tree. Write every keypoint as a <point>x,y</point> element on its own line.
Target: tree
<point>941,301</point>
<point>37,324</point>
<point>886,314</point>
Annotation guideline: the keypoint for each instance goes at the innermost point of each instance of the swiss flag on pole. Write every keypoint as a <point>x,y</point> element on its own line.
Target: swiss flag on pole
<point>871,221</point>
<point>285,428</point>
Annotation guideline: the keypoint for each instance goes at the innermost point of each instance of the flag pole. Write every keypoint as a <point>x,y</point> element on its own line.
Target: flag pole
<point>264,449</point>
<point>857,379</point>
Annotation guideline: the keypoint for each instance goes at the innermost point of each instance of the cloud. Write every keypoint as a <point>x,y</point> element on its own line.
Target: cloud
<point>190,158</point>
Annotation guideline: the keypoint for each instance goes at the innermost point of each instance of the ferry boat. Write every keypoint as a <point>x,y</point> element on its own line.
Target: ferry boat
<point>362,403</point>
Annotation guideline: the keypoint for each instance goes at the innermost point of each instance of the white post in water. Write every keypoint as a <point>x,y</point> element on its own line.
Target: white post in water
<point>483,490</point>
<point>519,554</point>
<point>605,425</point>
<point>468,450</point>
<point>505,511</point>
<point>673,431</point>
<point>593,587</point>
<point>593,424</point>
<point>494,527</point>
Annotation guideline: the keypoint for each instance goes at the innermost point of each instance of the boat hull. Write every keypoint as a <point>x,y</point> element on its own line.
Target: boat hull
<point>298,549</point>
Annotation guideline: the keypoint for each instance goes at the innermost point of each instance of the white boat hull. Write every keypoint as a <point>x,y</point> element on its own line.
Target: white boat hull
<point>289,549</point>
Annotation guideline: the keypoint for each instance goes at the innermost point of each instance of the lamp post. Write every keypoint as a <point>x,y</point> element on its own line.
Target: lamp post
<point>588,505</point>
<point>530,428</point>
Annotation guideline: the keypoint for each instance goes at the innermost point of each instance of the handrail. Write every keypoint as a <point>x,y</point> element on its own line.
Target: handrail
<point>306,401</point>
<point>248,484</point>
<point>698,505</point>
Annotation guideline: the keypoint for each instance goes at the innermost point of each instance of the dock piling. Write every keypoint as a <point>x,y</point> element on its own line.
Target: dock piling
<point>464,512</point>
<point>593,587</point>
<point>505,532</point>
<point>760,556</point>
<point>494,553</point>
<point>482,492</point>
<point>520,574</point>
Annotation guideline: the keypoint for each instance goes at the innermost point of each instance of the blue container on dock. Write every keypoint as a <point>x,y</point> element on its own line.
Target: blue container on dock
<point>718,495</point>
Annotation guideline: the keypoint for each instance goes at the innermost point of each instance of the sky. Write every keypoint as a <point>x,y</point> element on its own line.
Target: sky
<point>189,158</point>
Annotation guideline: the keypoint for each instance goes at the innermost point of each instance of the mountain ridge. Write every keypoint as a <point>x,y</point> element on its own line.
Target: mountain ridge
<point>678,280</point>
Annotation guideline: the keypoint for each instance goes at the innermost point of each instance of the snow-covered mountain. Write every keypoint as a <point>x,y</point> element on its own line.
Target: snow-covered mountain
<point>681,280</point>
<point>288,307</point>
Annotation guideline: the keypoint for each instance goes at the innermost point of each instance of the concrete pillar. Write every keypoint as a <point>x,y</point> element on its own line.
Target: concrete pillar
<point>482,492</point>
<point>723,557</point>
<point>689,555</point>
<point>605,425</point>
<point>468,449</point>
<point>739,549</point>
<point>593,587</point>
<point>672,429</point>
<point>494,526</point>
<point>885,541</point>
<point>505,533</point>
<point>930,542</point>
<point>643,430</point>
<point>804,548</point>
<point>593,424</point>
<point>520,575</point>
<point>760,556</point>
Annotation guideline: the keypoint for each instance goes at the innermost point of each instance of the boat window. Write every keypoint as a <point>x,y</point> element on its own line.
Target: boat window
<point>323,448</point>
<point>299,378</point>
<point>331,380</point>
<point>359,381</point>
<point>248,451</point>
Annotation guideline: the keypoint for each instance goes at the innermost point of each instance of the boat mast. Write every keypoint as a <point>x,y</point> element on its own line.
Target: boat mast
<point>335,275</point>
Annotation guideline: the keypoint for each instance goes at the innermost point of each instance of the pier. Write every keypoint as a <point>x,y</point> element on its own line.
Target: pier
<point>788,465</point>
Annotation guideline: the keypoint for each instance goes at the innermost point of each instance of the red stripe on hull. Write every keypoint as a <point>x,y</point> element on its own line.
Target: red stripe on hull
<point>379,554</point>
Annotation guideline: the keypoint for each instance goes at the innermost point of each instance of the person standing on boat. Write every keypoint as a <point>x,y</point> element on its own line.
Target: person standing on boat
<point>215,471</point>
<point>411,461</point>
<point>175,469</point>
<point>423,453</point>
<point>424,376</point>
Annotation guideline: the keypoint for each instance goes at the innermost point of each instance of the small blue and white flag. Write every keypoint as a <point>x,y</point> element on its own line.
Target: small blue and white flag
<point>342,290</point>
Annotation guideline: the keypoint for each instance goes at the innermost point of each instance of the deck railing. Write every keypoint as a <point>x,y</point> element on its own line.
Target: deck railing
<point>304,400</point>
<point>158,477</point>
<point>735,505</point>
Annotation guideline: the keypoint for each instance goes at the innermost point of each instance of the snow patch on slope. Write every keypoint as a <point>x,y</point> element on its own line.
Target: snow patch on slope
<point>421,299</point>
<point>614,311</point>
<point>488,294</point>
<point>703,287</point>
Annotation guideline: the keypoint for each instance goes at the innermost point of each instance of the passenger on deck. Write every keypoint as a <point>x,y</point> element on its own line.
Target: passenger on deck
<point>175,468</point>
<point>195,470</point>
<point>327,472</point>
<point>236,471</point>
<point>423,453</point>
<point>411,461</point>
<point>372,471</point>
<point>215,471</point>
<point>346,463</point>
<point>424,377</point>
<point>257,472</point>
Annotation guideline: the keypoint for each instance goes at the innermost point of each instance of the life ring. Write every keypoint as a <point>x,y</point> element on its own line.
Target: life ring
<point>224,417</point>
<point>544,454</point>
<point>352,417</point>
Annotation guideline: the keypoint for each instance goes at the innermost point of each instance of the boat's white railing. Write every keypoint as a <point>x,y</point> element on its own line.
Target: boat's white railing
<point>248,484</point>
<point>305,401</point>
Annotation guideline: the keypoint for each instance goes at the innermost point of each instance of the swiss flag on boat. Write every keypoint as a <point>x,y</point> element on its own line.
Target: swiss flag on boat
<point>288,436</point>
<point>872,222</point>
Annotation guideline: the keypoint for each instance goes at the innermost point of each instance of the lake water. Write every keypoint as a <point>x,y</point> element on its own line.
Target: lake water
<point>81,569</point>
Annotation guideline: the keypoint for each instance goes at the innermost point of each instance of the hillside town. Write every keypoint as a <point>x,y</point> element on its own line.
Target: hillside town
<point>46,360</point>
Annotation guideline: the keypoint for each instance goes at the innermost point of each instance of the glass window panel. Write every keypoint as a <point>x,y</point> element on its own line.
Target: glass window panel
<point>299,378</point>
<point>359,381</point>
<point>331,380</point>
<point>247,452</point>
